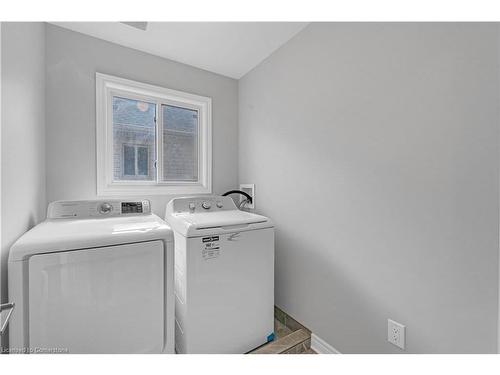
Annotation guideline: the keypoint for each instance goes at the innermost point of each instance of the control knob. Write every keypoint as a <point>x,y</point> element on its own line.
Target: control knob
<point>206,205</point>
<point>106,208</point>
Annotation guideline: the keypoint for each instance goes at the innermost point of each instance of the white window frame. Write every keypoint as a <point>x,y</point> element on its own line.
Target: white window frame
<point>108,86</point>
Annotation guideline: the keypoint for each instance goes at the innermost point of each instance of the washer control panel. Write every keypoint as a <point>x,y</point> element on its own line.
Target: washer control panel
<point>97,208</point>
<point>211,203</point>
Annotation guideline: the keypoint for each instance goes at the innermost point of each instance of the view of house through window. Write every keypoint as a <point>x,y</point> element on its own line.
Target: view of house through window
<point>134,139</point>
<point>180,144</point>
<point>135,160</point>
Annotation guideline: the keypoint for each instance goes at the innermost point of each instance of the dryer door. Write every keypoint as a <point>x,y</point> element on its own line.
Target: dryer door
<point>102,300</point>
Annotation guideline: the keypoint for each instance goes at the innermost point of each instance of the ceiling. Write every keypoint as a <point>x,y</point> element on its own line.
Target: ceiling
<point>228,48</point>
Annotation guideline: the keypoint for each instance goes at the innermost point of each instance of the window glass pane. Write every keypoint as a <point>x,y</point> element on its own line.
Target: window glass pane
<point>134,141</point>
<point>180,144</point>
<point>142,161</point>
<point>129,160</point>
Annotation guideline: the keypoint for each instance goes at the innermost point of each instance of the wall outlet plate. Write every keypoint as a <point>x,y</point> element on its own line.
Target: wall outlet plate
<point>250,190</point>
<point>396,333</point>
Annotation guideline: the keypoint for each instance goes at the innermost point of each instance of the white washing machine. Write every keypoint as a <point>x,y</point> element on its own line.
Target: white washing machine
<point>95,277</point>
<point>224,276</point>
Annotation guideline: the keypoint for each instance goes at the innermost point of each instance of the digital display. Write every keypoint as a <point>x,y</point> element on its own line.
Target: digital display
<point>131,207</point>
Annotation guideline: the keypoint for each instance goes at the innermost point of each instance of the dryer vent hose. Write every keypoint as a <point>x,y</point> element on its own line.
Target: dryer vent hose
<point>238,192</point>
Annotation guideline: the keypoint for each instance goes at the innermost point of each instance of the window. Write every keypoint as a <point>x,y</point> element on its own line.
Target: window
<point>180,154</point>
<point>151,140</point>
<point>134,134</point>
<point>135,162</point>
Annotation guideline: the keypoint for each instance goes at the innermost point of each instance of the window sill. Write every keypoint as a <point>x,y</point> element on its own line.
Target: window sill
<point>128,190</point>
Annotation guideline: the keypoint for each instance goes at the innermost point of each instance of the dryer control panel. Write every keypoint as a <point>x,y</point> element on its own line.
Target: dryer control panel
<point>97,208</point>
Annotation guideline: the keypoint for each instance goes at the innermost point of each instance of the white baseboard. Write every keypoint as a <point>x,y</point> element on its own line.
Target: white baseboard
<point>320,346</point>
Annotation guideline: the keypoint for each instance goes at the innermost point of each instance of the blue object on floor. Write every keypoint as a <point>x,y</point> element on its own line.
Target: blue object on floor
<point>270,337</point>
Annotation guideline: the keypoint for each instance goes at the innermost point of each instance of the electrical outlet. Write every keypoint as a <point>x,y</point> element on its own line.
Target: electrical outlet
<point>396,333</point>
<point>250,190</point>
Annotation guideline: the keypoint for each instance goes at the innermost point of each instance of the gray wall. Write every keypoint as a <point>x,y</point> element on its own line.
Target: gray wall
<point>374,147</point>
<point>72,61</point>
<point>23,134</point>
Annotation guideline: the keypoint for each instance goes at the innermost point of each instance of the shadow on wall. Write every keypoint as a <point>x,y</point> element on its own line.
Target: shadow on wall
<point>4,340</point>
<point>359,314</point>
<point>347,293</point>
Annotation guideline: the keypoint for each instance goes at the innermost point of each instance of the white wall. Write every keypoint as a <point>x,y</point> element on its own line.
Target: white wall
<point>72,61</point>
<point>374,147</point>
<point>1,257</point>
<point>23,133</point>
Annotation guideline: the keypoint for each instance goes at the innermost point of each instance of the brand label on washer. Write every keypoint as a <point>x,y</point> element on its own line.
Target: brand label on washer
<point>211,247</point>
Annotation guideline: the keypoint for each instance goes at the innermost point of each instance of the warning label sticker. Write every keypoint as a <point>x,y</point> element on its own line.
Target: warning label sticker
<point>211,247</point>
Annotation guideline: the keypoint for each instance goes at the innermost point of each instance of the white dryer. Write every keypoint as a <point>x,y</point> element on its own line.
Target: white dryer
<point>224,276</point>
<point>95,277</point>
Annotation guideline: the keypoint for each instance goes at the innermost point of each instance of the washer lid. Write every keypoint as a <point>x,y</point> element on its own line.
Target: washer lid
<point>54,235</point>
<point>198,224</point>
